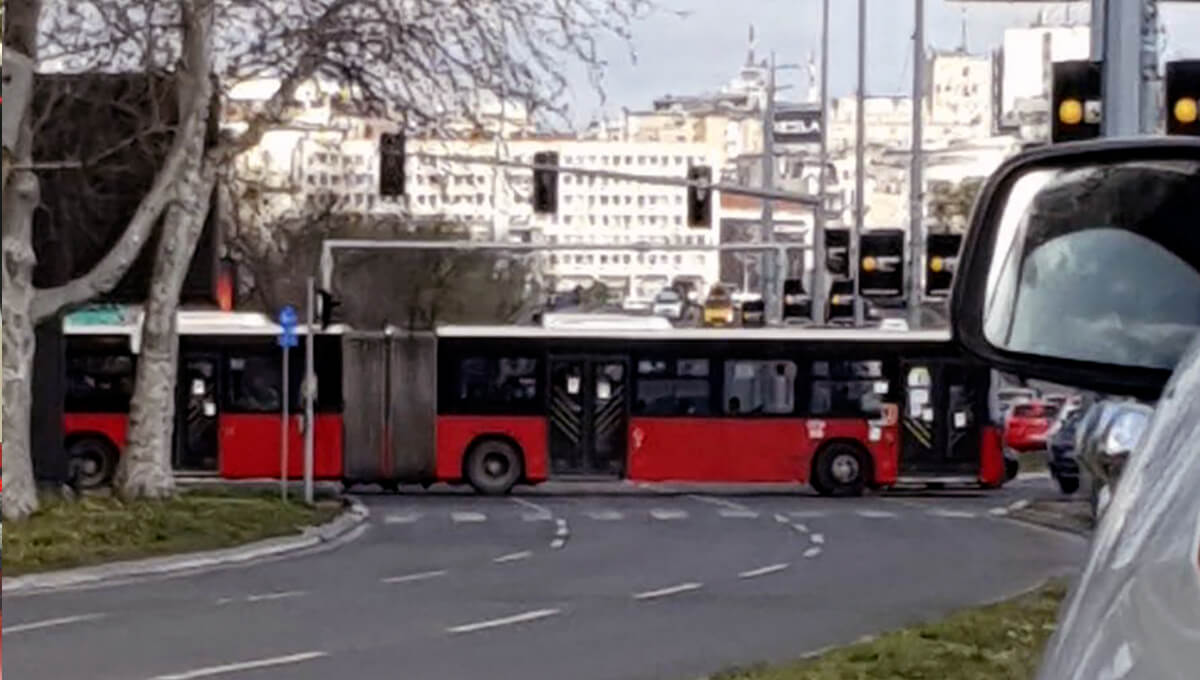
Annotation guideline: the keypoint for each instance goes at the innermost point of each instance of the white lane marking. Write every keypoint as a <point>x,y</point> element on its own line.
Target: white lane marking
<point>801,527</point>
<point>402,518</point>
<point>782,519</point>
<point>730,513</point>
<point>606,515</point>
<point>817,539</point>
<point>513,557</point>
<point>663,514</point>
<point>50,623</point>
<point>724,503</point>
<point>506,621</point>
<point>1020,505</point>
<point>536,517</point>
<point>241,666</point>
<point>763,571</point>
<point>998,512</point>
<point>541,512</point>
<point>264,597</point>
<point>952,514</point>
<point>557,543</point>
<point>419,576</point>
<point>812,552</point>
<point>664,592</point>
<point>877,514</point>
<point>808,514</point>
<point>468,517</point>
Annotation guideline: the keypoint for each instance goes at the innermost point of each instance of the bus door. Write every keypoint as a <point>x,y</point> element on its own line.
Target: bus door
<point>939,422</point>
<point>588,413</point>
<point>197,441</point>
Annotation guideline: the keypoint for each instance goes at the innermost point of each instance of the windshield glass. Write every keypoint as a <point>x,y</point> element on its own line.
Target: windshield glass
<point>1103,265</point>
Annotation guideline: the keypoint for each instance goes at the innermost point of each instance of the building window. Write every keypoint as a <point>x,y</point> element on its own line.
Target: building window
<point>759,387</point>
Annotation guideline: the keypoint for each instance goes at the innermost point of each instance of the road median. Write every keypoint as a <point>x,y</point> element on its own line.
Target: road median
<point>1002,641</point>
<point>96,538</point>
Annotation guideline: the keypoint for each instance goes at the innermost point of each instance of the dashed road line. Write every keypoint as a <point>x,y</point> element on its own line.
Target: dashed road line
<point>536,517</point>
<point>419,576</point>
<point>763,571</point>
<point>513,557</point>
<point>998,512</point>
<point>667,515</point>
<point>264,597</point>
<point>877,514</point>
<point>557,544</point>
<point>801,527</point>
<point>1020,505</point>
<point>241,666</point>
<point>812,552</point>
<point>952,514</point>
<point>808,514</point>
<point>505,621</point>
<point>664,592</point>
<point>605,515</point>
<point>561,533</point>
<point>730,513</point>
<point>722,502</point>
<point>51,623</point>
<point>469,517</point>
<point>540,512</point>
<point>782,519</point>
<point>402,518</point>
<point>817,539</point>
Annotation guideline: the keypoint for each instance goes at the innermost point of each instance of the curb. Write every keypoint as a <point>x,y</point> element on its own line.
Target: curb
<point>354,515</point>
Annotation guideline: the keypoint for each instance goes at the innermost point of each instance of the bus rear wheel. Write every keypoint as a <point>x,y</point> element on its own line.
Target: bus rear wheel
<point>92,460</point>
<point>493,467</point>
<point>841,469</point>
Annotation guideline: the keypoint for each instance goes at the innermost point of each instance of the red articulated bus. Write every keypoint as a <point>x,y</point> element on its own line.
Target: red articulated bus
<point>841,410</point>
<point>228,402</point>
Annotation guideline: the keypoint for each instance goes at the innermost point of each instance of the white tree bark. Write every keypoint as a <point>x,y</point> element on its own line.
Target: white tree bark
<point>145,468</point>
<point>21,196</point>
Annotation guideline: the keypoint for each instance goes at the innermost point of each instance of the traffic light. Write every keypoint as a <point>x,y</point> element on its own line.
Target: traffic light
<point>1183,97</point>
<point>545,182</point>
<point>941,259</point>
<point>391,164</point>
<point>699,199</point>
<point>881,263</point>
<point>841,301</point>
<point>1075,101</point>
<point>837,252</point>
<point>326,303</point>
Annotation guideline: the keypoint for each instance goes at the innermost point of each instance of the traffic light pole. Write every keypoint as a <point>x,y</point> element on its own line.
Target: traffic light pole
<point>819,293</point>
<point>859,161</point>
<point>916,219</point>
<point>1124,39</point>
<point>770,282</point>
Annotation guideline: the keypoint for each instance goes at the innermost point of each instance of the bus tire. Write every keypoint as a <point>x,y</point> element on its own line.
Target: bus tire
<point>92,459</point>
<point>493,466</point>
<point>841,469</point>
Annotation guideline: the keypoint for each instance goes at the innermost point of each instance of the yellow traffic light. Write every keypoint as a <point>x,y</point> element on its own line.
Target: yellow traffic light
<point>868,264</point>
<point>1070,112</point>
<point>1185,110</point>
<point>936,264</point>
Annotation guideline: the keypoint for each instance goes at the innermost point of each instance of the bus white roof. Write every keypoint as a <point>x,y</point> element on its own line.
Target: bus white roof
<point>569,321</point>
<point>717,334</point>
<point>194,322</point>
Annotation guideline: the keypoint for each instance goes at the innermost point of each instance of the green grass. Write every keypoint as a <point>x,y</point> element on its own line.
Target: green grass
<point>997,642</point>
<point>96,529</point>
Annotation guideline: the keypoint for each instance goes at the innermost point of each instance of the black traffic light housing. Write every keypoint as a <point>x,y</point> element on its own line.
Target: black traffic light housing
<point>837,252</point>
<point>391,164</point>
<point>545,182</point>
<point>1183,97</point>
<point>1075,101</point>
<point>881,263</point>
<point>840,307</point>
<point>326,303</point>
<point>941,259</point>
<point>699,199</point>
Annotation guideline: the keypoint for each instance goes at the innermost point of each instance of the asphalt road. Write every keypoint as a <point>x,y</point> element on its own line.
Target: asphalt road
<point>554,585</point>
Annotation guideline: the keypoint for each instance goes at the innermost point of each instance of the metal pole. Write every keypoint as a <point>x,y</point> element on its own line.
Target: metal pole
<point>916,228</point>
<point>310,395</point>
<point>769,283</point>
<point>818,272</point>
<point>1122,87</point>
<point>1152,108</point>
<point>859,159</point>
<point>1097,29</point>
<point>283,431</point>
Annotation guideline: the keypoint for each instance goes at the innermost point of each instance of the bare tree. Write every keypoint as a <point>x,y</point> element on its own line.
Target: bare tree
<point>411,60</point>
<point>950,203</point>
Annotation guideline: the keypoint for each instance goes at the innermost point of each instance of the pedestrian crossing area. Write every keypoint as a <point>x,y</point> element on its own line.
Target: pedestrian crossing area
<point>670,514</point>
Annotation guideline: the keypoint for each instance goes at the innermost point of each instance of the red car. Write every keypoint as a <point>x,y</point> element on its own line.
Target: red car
<point>1028,426</point>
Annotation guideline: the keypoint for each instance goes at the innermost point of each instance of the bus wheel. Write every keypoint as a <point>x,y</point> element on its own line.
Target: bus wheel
<point>93,461</point>
<point>841,470</point>
<point>493,467</point>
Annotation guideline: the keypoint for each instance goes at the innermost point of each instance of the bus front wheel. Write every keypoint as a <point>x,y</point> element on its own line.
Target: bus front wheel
<point>493,467</point>
<point>841,469</point>
<point>93,461</point>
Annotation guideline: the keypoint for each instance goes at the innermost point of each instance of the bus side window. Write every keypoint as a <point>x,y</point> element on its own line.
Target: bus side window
<point>255,384</point>
<point>760,387</point>
<point>662,391</point>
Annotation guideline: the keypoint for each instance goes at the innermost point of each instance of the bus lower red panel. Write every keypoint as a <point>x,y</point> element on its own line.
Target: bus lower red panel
<point>739,450</point>
<point>250,446</point>
<point>114,426</point>
<point>456,433</point>
<point>991,456</point>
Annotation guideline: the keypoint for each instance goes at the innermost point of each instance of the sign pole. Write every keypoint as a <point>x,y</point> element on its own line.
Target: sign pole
<point>310,393</point>
<point>283,430</point>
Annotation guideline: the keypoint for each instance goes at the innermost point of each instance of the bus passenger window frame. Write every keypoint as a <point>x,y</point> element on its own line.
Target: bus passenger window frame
<point>762,404</point>
<point>671,380</point>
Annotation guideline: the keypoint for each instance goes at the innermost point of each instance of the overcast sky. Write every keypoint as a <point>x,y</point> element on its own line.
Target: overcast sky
<point>703,50</point>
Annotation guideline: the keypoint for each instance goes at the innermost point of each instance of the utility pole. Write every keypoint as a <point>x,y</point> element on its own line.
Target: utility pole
<point>769,283</point>
<point>819,292</point>
<point>1123,30</point>
<point>859,160</point>
<point>916,219</point>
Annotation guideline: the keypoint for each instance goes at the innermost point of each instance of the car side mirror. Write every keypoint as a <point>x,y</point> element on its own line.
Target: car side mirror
<point>1082,265</point>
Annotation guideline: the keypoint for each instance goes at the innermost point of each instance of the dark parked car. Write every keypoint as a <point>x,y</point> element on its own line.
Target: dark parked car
<point>754,313</point>
<point>1060,449</point>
